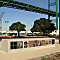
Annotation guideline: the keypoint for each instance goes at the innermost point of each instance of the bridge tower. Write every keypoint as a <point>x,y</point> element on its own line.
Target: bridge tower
<point>56,11</point>
<point>56,14</point>
<point>49,8</point>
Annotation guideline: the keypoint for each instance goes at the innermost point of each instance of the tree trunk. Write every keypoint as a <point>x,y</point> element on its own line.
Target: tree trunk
<point>18,33</point>
<point>43,33</point>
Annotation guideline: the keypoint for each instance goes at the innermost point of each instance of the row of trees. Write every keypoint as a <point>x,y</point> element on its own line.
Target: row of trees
<point>40,25</point>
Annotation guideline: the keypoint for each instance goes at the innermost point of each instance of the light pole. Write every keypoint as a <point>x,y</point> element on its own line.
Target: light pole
<point>6,26</point>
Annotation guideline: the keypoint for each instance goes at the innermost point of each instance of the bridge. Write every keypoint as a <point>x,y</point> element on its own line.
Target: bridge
<point>28,7</point>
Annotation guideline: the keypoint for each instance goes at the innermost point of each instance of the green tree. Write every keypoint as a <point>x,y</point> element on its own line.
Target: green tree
<point>43,25</point>
<point>18,27</point>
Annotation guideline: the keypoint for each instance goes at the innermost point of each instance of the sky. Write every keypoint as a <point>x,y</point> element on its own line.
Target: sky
<point>25,17</point>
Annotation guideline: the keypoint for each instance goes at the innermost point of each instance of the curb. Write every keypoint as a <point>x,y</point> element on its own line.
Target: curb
<point>42,57</point>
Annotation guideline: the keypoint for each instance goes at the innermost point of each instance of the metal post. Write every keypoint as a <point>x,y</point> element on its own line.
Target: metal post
<point>6,26</point>
<point>59,23</point>
<point>49,8</point>
<point>56,14</point>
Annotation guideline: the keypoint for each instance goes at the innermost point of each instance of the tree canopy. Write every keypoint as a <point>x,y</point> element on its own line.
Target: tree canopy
<point>43,25</point>
<point>17,26</point>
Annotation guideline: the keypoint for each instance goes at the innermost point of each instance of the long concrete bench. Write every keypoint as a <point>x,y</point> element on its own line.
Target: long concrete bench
<point>21,44</point>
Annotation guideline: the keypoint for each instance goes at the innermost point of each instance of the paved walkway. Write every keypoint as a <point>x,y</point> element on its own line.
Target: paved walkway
<point>26,55</point>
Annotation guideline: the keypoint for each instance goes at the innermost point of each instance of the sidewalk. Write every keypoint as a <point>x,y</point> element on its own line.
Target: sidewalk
<point>26,55</point>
